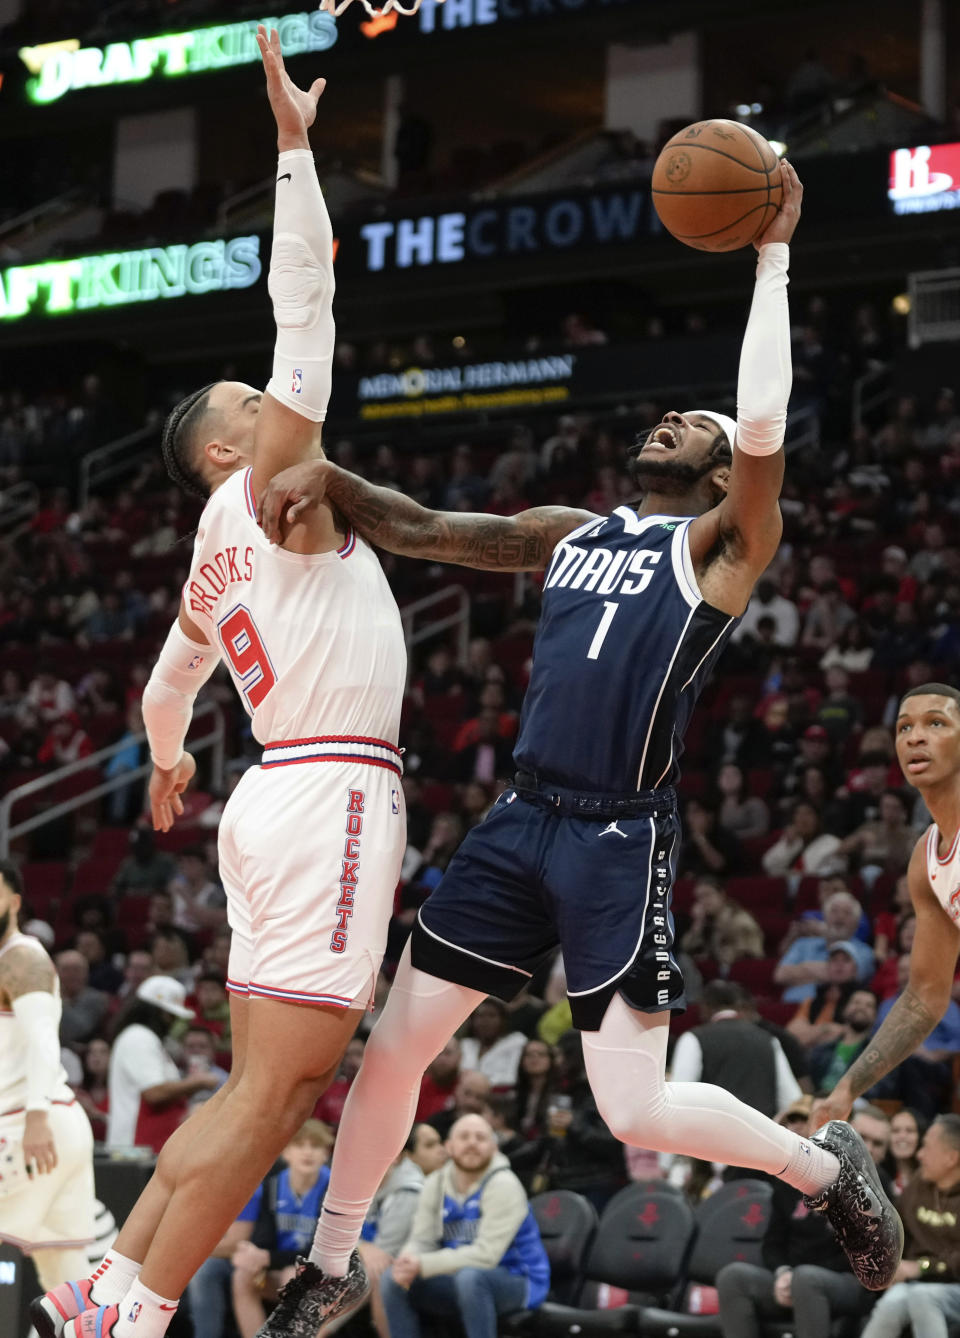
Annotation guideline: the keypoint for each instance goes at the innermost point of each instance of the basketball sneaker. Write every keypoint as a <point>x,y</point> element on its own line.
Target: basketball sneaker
<point>98,1323</point>
<point>312,1298</point>
<point>866,1223</point>
<point>51,1311</point>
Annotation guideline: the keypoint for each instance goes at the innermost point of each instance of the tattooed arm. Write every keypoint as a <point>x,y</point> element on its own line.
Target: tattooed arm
<point>395,522</point>
<point>919,1008</point>
<point>27,981</point>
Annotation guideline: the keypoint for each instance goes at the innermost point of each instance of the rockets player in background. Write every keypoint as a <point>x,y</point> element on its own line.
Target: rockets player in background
<point>311,842</point>
<point>46,1143</point>
<point>928,750</point>
<point>582,851</point>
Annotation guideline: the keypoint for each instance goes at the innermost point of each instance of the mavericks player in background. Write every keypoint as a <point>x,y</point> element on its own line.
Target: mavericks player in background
<point>312,840</point>
<point>582,850</point>
<point>928,750</point>
<point>46,1144</point>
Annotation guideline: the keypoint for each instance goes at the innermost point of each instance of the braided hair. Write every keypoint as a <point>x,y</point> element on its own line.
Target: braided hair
<point>177,442</point>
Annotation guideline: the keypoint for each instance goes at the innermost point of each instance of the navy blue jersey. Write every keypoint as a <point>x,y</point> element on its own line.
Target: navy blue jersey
<point>625,645</point>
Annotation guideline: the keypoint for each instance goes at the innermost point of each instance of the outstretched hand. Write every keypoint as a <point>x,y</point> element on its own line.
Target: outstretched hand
<point>781,229</point>
<point>288,495</point>
<point>295,109</point>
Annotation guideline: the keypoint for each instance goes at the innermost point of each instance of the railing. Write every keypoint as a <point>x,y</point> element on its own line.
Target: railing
<point>18,503</point>
<point>113,460</point>
<point>459,619</point>
<point>870,391</point>
<point>934,307</point>
<point>40,212</point>
<point>212,740</point>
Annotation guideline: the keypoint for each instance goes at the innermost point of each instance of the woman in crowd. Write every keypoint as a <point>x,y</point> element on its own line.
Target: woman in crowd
<point>743,814</point>
<point>94,1094</point>
<point>907,1128</point>
<point>490,1046</point>
<point>537,1081</point>
<point>720,927</point>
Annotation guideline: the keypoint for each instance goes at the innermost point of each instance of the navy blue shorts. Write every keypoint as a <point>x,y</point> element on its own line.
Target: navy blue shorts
<point>534,875</point>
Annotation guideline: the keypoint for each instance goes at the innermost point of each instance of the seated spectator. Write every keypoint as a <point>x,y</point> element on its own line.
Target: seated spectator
<point>329,1107</point>
<point>489,756</point>
<point>739,736</point>
<point>815,750</point>
<point>924,1079</point>
<point>743,814</point>
<point>199,1056</point>
<point>286,1208</point>
<point>839,713</point>
<point>830,1059</point>
<point>84,1008</point>
<point>66,741</point>
<point>389,1222</point>
<point>475,1249</point>
<point>888,922</point>
<point>538,1079</point>
<point>812,921</point>
<point>49,697</point>
<point>873,1126</point>
<point>124,802</point>
<point>886,980</point>
<point>171,956</point>
<point>907,1128</point>
<point>438,1083</point>
<point>802,846</point>
<point>706,847</point>
<point>817,1020</point>
<point>199,902</point>
<point>720,928</point>
<point>148,1097</point>
<point>883,846</point>
<point>469,1098</point>
<point>853,652</point>
<point>94,1093</point>
<point>804,965</point>
<point>103,974</point>
<point>492,698</point>
<point>490,1046</point>
<point>767,602</point>
<point>926,1291</point>
<point>138,966</point>
<point>826,618</point>
<point>445,836</point>
<point>145,869</point>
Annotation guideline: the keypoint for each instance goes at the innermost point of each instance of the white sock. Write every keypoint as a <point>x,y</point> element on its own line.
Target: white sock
<point>811,1168</point>
<point>144,1314</point>
<point>111,1279</point>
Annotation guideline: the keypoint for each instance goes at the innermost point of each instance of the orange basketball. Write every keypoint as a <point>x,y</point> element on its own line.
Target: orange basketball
<point>716,185</point>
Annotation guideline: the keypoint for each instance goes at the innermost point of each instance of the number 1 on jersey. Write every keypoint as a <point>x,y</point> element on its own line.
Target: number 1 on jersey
<point>609,611</point>
<point>247,655</point>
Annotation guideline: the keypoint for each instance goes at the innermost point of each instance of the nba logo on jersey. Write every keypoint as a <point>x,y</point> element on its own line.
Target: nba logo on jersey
<point>134,1314</point>
<point>296,386</point>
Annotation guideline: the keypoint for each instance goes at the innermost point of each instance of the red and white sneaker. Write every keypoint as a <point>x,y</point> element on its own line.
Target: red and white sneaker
<point>99,1323</point>
<point>51,1311</point>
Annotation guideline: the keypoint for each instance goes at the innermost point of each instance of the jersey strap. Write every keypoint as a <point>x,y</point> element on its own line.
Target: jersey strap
<point>334,748</point>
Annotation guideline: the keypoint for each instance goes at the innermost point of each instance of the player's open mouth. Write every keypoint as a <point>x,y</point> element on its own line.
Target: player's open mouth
<point>664,435</point>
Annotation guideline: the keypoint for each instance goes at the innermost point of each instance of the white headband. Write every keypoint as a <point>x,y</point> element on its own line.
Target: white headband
<point>727,424</point>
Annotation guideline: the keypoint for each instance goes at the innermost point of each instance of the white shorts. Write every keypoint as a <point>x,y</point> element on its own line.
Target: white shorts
<point>310,856</point>
<point>55,1210</point>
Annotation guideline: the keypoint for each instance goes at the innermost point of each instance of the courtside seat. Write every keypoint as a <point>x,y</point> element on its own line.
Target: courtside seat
<point>641,1247</point>
<point>730,1229</point>
<point>568,1224</point>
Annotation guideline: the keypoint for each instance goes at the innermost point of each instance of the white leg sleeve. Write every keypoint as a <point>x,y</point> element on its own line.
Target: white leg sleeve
<point>421,1014</point>
<point>625,1062</point>
<point>301,285</point>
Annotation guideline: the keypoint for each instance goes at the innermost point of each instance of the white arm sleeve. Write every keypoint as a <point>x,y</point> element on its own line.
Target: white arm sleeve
<point>38,1014</point>
<point>766,372</point>
<point>181,670</point>
<point>301,285</point>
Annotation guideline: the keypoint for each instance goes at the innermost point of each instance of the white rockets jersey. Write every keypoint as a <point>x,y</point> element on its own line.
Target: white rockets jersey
<point>313,642</point>
<point>944,874</point>
<point>14,1049</point>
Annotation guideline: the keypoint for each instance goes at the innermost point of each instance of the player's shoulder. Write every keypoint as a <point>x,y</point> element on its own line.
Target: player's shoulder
<point>26,966</point>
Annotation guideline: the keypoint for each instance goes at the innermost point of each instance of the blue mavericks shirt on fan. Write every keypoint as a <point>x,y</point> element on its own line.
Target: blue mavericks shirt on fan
<point>296,1218</point>
<point>624,647</point>
<point>525,1256</point>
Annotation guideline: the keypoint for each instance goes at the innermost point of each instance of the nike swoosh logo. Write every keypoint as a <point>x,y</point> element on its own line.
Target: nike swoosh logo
<point>286,177</point>
<point>168,1307</point>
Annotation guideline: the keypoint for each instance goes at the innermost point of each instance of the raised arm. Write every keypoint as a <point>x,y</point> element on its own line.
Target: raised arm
<point>918,1009</point>
<point>301,283</point>
<point>395,522</point>
<point>747,522</point>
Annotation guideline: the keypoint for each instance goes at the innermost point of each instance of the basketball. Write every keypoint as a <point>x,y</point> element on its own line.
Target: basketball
<point>716,185</point>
